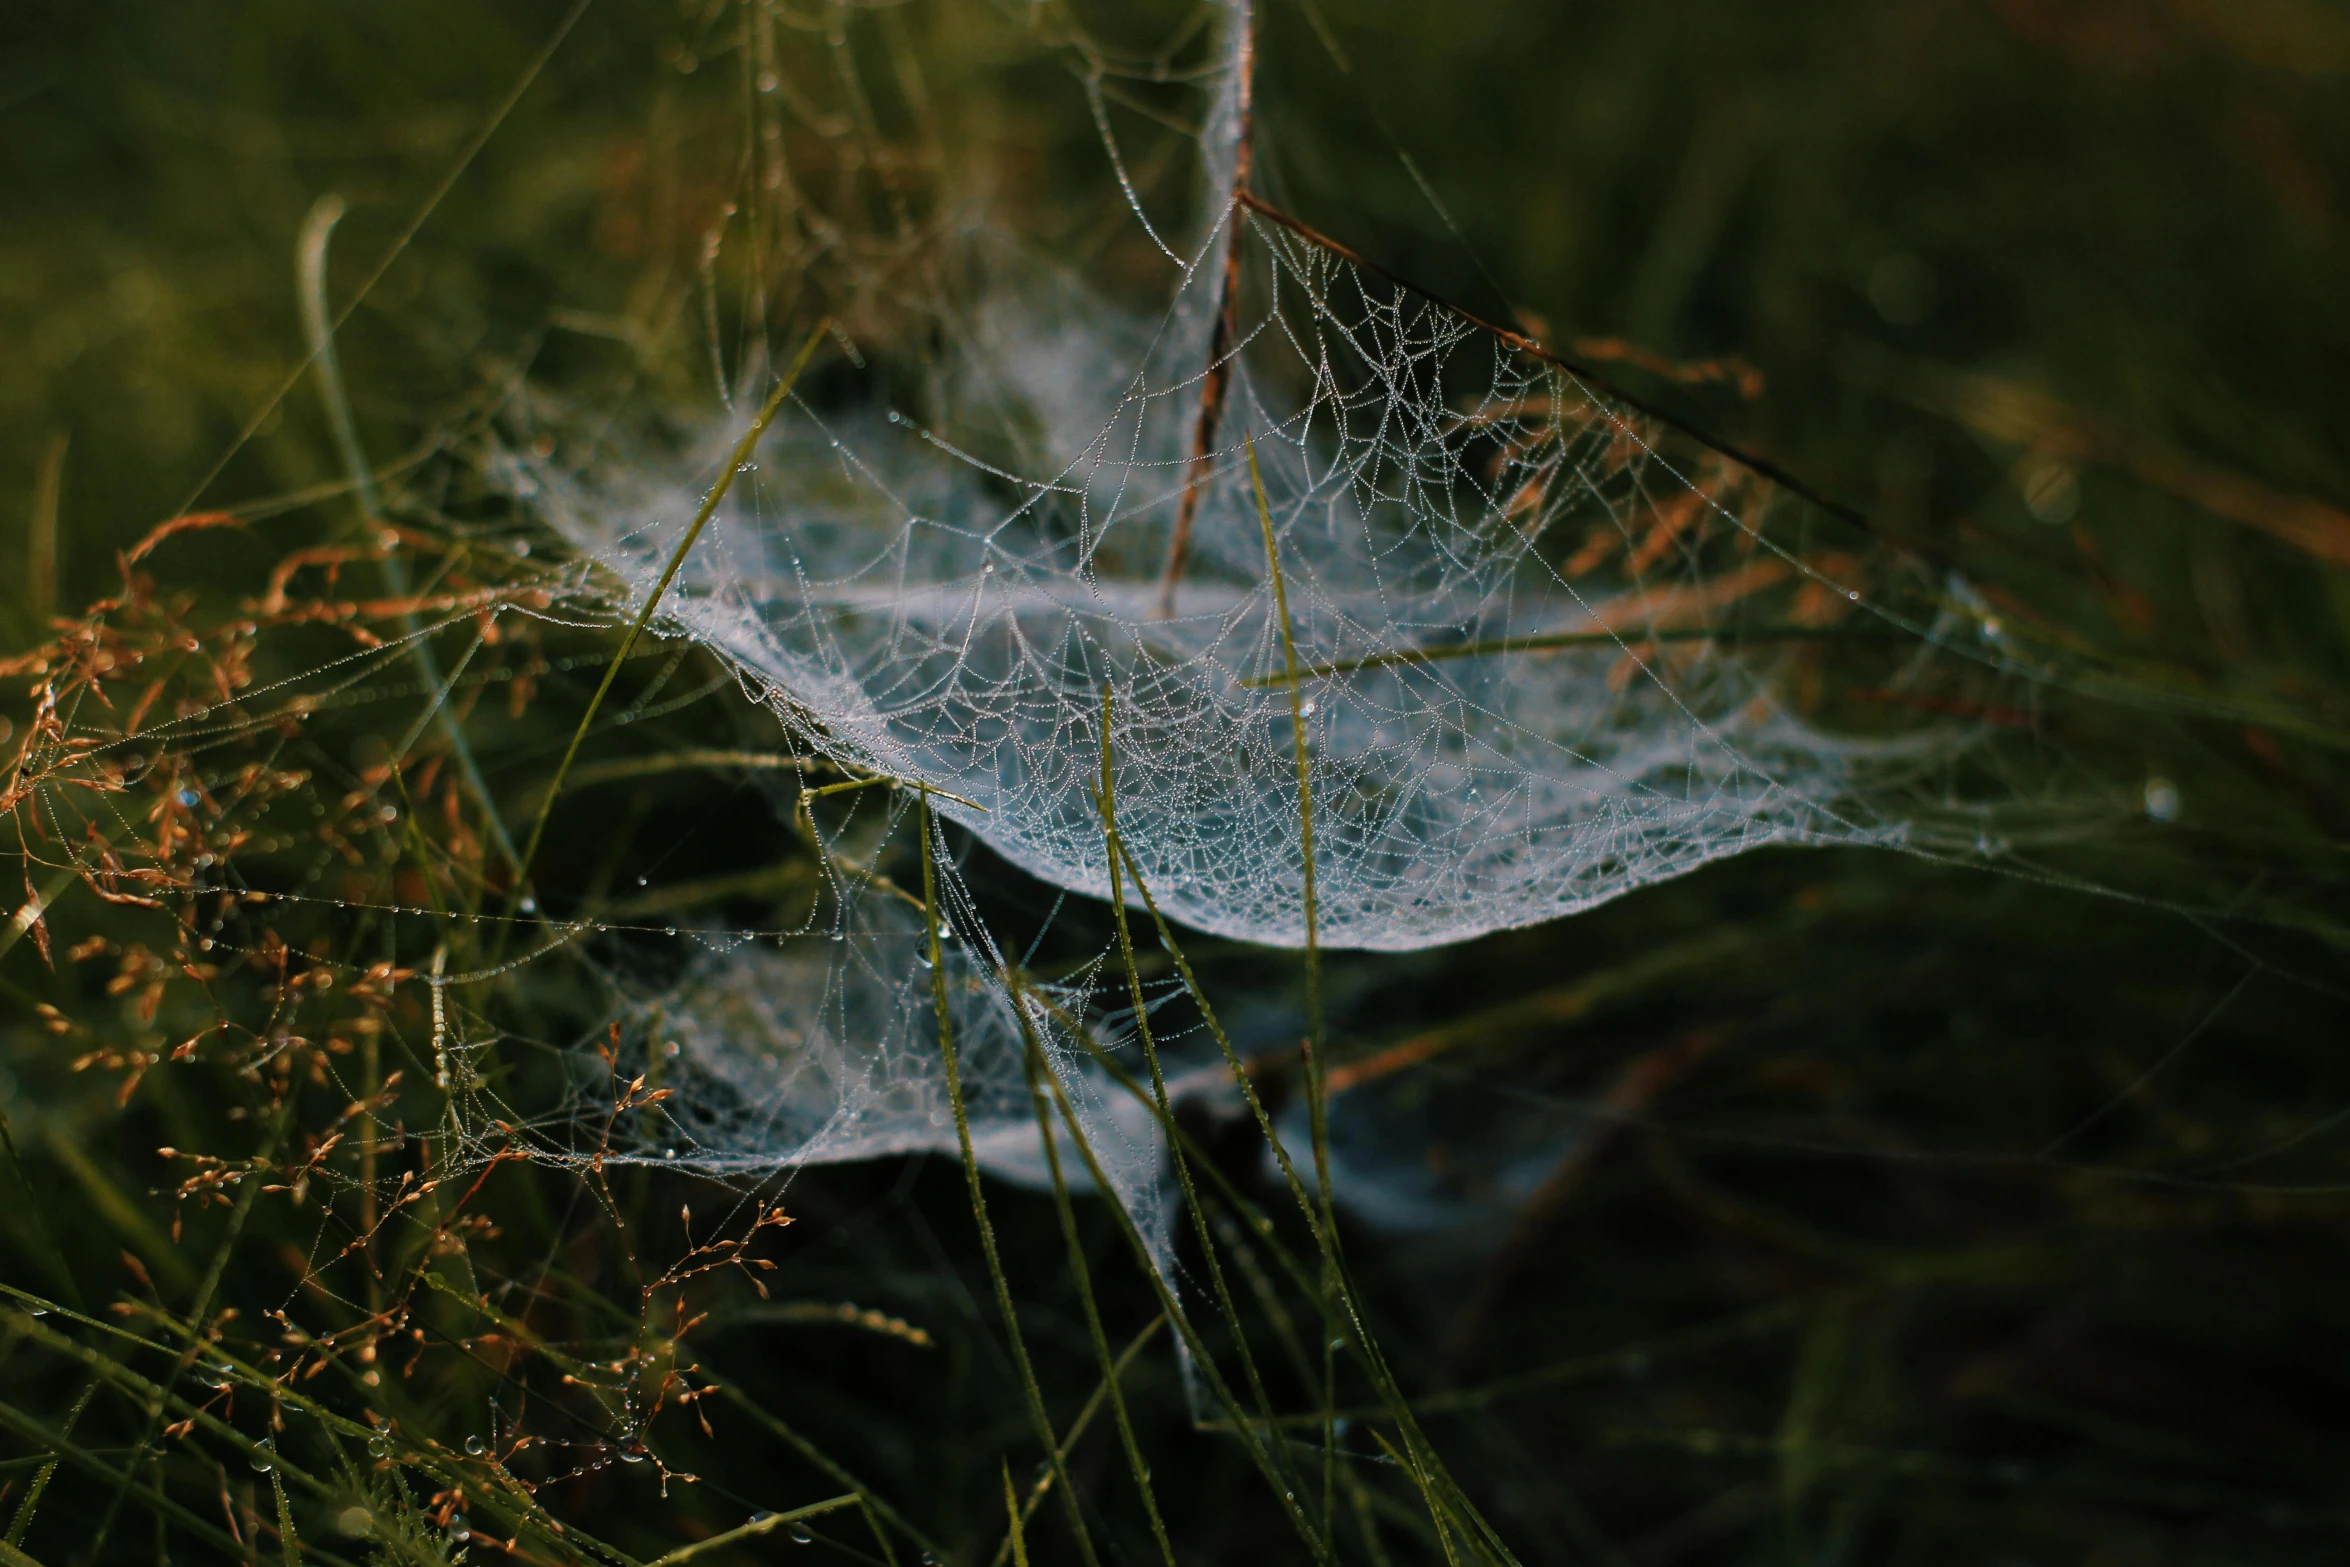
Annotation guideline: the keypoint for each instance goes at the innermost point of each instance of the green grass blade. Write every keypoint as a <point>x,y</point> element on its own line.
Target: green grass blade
<point>1078,1427</point>
<point>310,266</point>
<point>288,1543</point>
<point>1252,1433</point>
<point>709,507</point>
<point>1093,1316</point>
<point>1029,1388</point>
<point>1162,1106</point>
<point>1012,1514</point>
<point>32,1496</point>
<point>754,1529</point>
<point>1316,1052</point>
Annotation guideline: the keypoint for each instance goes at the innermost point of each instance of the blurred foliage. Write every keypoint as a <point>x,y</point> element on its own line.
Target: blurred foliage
<point>1919,1213</point>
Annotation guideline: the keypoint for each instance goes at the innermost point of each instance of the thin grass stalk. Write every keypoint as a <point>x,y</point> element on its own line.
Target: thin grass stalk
<point>423,214</point>
<point>753,1530</point>
<point>1251,1433</point>
<point>1317,1095</point>
<point>709,507</point>
<point>1427,1495</point>
<point>41,1477</point>
<point>1268,1297</point>
<point>1029,1387</point>
<point>310,265</point>
<point>1396,1407</point>
<point>1239,1201</point>
<point>1393,1404</point>
<point>876,1510</point>
<point>1019,1537</point>
<point>1078,1271</point>
<point>1162,1105</point>
<point>1078,1427</point>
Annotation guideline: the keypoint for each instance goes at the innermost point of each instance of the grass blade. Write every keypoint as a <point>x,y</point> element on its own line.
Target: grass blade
<point>1093,1316</point>
<point>709,507</point>
<point>995,1266</point>
<point>32,1496</point>
<point>1316,1053</point>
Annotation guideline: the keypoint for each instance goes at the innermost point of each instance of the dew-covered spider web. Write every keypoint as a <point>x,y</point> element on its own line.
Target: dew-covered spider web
<point>1532,656</point>
<point>1532,645</point>
<point>1280,548</point>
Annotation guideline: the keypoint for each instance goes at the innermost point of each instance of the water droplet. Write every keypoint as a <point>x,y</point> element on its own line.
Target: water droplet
<point>666,1153</point>
<point>1309,709</point>
<point>1854,595</point>
<point>264,1456</point>
<point>640,881</point>
<point>204,944</point>
<point>475,1445</point>
<point>760,1518</point>
<point>528,905</point>
<point>800,1535</point>
<point>636,1455</point>
<point>2162,799</point>
<point>379,1446</point>
<point>459,1531</point>
<point>672,930</point>
<point>769,81</point>
<point>187,797</point>
<point>36,1311</point>
<point>522,548</point>
<point>746,467</point>
<point>671,1049</point>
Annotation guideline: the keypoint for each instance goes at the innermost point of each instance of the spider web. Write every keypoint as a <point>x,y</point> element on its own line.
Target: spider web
<point>1516,626</point>
<point>1534,657</point>
<point>1295,541</point>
